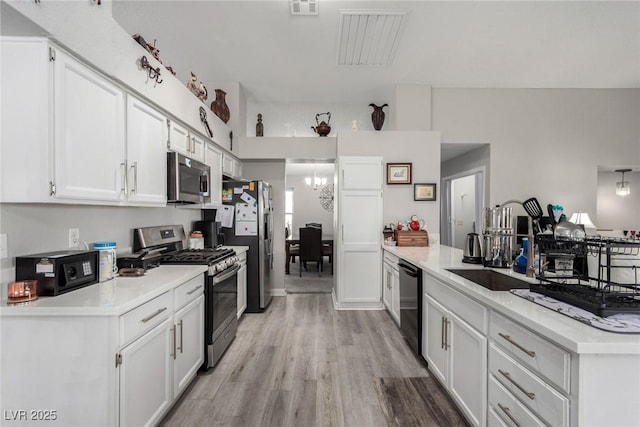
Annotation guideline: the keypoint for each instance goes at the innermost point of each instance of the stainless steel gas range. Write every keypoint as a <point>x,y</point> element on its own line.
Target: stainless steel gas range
<point>221,286</point>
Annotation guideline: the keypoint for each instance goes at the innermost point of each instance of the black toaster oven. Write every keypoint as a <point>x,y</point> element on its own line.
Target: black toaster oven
<point>59,272</point>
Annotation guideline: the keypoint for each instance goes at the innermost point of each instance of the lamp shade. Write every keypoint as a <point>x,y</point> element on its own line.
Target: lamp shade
<point>583,219</point>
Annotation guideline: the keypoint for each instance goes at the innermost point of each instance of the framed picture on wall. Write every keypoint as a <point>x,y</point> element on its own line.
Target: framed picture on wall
<point>424,192</point>
<point>398,173</point>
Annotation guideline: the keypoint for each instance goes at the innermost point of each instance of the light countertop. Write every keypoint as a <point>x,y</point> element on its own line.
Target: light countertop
<point>569,333</point>
<point>111,298</point>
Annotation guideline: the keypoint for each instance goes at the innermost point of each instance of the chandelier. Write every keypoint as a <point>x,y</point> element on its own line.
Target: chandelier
<point>315,181</point>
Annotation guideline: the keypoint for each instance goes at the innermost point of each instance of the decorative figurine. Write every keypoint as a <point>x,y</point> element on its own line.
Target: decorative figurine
<point>191,84</point>
<point>202,92</point>
<point>377,117</point>
<point>354,125</point>
<point>259,126</point>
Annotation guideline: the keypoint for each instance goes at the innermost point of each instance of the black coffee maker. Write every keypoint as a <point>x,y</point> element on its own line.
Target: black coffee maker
<point>210,233</point>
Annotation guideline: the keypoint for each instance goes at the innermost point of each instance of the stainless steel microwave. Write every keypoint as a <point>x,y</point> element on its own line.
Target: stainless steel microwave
<point>188,180</point>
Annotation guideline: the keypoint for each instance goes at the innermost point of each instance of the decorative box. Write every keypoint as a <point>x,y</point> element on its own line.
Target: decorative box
<point>412,238</point>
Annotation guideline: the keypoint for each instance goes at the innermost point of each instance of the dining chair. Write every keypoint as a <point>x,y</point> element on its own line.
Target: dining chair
<point>310,248</point>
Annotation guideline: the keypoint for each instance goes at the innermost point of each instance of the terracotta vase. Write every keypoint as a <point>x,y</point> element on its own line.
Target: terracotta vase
<point>219,106</point>
<point>377,117</point>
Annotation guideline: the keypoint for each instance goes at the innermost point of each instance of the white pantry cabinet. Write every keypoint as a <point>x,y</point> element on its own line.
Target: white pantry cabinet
<point>185,141</point>
<point>358,239</point>
<point>455,347</point>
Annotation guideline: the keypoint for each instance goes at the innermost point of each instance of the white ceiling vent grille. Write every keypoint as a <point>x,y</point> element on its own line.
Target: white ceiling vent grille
<point>304,7</point>
<point>369,38</point>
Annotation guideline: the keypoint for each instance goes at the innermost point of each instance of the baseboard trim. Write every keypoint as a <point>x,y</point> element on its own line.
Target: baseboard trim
<point>278,292</point>
<point>354,305</point>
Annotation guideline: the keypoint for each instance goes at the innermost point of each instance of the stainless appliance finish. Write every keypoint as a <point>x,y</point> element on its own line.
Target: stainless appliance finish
<point>259,238</point>
<point>411,304</point>
<point>187,179</point>
<point>472,249</point>
<point>221,283</point>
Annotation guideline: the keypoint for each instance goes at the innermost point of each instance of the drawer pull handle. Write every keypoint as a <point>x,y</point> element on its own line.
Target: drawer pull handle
<point>152,315</point>
<point>507,412</point>
<point>508,338</point>
<point>193,290</point>
<point>529,394</point>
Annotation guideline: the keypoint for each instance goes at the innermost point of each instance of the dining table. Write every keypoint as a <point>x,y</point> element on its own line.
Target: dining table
<point>327,240</point>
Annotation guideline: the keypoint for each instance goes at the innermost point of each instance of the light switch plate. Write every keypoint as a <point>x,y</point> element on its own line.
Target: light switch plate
<point>4,249</point>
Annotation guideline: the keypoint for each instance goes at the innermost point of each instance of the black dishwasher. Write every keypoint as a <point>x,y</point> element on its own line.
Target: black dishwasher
<point>411,304</point>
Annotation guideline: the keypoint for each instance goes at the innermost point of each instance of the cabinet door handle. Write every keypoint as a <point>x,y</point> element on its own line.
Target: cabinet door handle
<point>135,177</point>
<point>529,394</point>
<point>123,187</point>
<point>442,332</point>
<point>508,338</point>
<point>173,329</point>
<point>507,412</point>
<point>152,315</point>
<point>181,332</point>
<point>193,290</point>
<point>446,333</point>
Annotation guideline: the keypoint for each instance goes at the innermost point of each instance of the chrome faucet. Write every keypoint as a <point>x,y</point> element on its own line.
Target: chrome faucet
<point>531,271</point>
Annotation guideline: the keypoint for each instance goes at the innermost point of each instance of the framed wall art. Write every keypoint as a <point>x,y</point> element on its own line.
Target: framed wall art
<point>424,192</point>
<point>398,173</point>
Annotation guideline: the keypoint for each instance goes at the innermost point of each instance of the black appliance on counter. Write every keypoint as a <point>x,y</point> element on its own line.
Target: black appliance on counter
<point>252,226</point>
<point>144,260</point>
<point>210,233</point>
<point>221,283</point>
<point>411,304</point>
<point>59,272</point>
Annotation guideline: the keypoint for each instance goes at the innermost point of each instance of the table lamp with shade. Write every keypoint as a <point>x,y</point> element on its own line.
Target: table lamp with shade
<point>583,219</point>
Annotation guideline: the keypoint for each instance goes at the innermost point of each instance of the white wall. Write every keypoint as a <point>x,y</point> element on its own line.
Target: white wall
<point>306,204</point>
<point>544,143</point>
<point>274,173</point>
<point>463,191</point>
<point>422,149</point>
<point>616,212</point>
<point>37,228</point>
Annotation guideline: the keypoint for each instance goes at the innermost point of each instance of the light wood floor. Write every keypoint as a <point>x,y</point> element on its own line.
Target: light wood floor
<point>304,364</point>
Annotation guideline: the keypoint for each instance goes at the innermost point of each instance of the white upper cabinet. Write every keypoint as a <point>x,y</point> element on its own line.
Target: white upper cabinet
<point>185,142</point>
<point>146,154</point>
<point>213,158</point>
<point>231,166</point>
<point>89,123</point>
<point>361,173</point>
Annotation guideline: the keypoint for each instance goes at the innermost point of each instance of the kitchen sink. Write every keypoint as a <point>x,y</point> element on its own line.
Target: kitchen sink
<point>490,279</point>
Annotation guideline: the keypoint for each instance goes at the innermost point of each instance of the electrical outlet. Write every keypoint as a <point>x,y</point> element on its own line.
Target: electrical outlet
<point>4,249</point>
<point>74,237</point>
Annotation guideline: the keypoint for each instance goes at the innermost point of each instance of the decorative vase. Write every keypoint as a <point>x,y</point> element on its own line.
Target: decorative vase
<point>377,117</point>
<point>219,106</point>
<point>259,126</point>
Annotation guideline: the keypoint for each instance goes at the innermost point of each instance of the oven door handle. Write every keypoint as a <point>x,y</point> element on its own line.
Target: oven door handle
<point>226,274</point>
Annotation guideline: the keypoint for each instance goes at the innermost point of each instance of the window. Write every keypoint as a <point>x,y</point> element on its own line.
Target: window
<point>288,209</point>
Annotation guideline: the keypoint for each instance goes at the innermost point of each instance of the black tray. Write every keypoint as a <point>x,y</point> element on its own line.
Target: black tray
<point>589,298</point>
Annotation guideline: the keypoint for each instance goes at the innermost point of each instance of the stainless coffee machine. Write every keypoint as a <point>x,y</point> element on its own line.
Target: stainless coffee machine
<point>497,233</point>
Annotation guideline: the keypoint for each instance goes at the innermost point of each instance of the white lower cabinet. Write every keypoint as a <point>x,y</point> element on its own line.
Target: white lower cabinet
<point>391,286</point>
<point>456,348</point>
<point>145,377</point>
<point>242,284</point>
<point>188,354</point>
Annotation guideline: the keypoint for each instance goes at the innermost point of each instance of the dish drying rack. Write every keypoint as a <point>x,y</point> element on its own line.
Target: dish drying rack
<point>565,274</point>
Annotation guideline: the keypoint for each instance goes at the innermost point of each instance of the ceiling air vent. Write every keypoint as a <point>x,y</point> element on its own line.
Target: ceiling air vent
<point>304,7</point>
<point>369,38</point>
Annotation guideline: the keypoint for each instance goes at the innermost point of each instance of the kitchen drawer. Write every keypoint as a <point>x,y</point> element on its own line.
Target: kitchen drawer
<point>472,312</point>
<point>390,258</point>
<point>141,319</point>
<point>189,291</point>
<point>529,388</point>
<point>535,352</point>
<point>493,419</point>
<point>508,408</point>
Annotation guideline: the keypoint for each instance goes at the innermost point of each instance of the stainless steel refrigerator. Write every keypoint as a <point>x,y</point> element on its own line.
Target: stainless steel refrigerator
<point>252,226</point>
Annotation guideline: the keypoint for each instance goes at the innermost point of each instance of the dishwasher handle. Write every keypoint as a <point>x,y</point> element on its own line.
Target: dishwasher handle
<point>409,269</point>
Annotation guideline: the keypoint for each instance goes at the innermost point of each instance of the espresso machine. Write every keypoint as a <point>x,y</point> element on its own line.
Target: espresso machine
<point>497,233</point>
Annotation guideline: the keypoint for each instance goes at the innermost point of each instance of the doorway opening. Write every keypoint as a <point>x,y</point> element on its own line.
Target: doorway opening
<point>463,202</point>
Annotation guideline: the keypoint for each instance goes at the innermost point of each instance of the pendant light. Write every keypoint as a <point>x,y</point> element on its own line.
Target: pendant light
<point>316,181</point>
<point>622,187</point>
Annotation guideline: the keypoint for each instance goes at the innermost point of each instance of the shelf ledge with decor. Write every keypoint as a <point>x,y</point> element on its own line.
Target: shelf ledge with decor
<point>271,148</point>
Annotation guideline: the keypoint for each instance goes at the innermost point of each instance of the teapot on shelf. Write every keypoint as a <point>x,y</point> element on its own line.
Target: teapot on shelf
<point>322,128</point>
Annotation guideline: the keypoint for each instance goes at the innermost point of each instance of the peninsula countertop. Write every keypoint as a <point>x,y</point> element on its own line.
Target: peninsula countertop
<point>569,333</point>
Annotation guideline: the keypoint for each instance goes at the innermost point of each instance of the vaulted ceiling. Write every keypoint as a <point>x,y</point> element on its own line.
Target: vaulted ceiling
<point>280,58</point>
